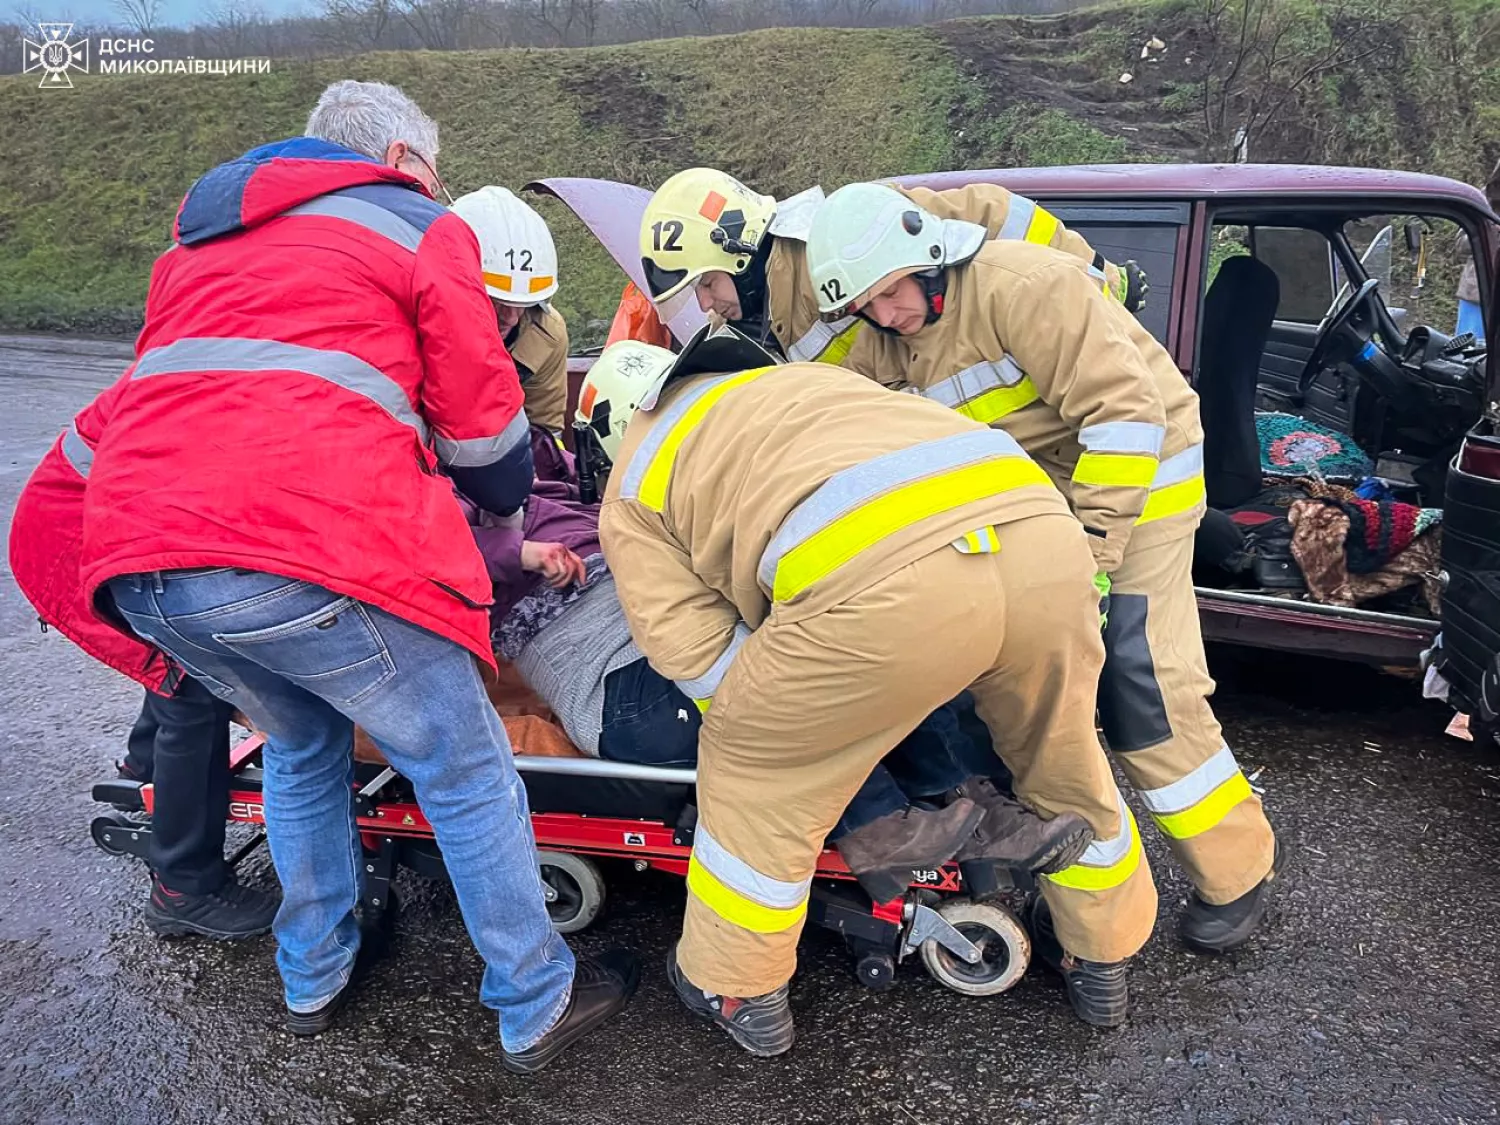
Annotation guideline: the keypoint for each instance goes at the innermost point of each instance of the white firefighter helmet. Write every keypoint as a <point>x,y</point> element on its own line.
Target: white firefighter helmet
<point>516,251</point>
<point>866,234</point>
<point>617,385</point>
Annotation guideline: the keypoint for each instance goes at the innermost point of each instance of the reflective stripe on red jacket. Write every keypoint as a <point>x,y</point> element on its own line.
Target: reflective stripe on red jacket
<point>315,346</point>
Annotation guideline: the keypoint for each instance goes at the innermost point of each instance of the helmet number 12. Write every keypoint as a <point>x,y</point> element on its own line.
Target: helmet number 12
<point>525,266</point>
<point>833,290</point>
<point>666,235</point>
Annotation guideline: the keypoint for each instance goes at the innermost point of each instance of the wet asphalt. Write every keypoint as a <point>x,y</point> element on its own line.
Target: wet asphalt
<point>1371,996</point>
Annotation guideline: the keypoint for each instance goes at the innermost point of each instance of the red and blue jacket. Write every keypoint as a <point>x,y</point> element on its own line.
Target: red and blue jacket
<point>318,349</point>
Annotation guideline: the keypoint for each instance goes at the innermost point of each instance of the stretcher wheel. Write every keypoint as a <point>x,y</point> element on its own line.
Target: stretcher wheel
<point>876,971</point>
<point>574,890</point>
<point>1001,940</point>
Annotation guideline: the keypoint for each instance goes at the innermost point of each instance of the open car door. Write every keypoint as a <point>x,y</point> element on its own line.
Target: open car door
<point>1468,651</point>
<point>612,212</point>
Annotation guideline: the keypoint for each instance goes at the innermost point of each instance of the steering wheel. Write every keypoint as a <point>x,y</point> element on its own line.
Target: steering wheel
<point>1346,331</point>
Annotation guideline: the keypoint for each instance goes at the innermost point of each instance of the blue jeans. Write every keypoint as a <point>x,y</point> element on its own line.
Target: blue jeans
<point>647,719</point>
<point>305,665</point>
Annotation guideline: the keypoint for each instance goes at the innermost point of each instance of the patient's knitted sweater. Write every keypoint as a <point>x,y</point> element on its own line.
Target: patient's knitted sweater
<point>567,661</point>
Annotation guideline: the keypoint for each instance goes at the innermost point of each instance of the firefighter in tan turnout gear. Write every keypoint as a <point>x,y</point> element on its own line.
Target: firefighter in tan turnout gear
<point>1018,336</point>
<point>743,257</point>
<point>829,562</point>
<point>519,261</point>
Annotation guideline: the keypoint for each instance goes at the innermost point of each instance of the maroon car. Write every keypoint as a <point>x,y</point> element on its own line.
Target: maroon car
<point>1297,300</point>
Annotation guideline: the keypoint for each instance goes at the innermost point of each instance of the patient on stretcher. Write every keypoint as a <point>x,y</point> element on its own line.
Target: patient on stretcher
<point>557,619</point>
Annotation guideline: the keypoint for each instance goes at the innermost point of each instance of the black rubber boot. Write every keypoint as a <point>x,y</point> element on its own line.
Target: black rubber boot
<point>760,1024</point>
<point>1098,990</point>
<point>602,986</point>
<point>1221,929</point>
<point>231,913</point>
<point>1014,838</point>
<point>883,853</point>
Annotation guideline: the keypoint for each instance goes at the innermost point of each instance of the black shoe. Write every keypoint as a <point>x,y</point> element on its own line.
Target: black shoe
<point>1098,990</point>
<point>883,853</point>
<point>760,1024</point>
<point>1220,929</point>
<point>374,940</point>
<point>231,913</point>
<point>602,986</point>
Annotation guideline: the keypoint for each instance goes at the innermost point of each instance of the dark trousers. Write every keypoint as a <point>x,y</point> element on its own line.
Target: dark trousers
<point>647,720</point>
<point>181,745</point>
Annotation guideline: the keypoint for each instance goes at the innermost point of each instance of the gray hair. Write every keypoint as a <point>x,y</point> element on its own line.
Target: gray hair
<point>369,117</point>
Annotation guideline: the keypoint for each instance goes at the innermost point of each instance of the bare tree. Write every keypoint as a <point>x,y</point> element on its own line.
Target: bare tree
<point>139,15</point>
<point>233,25</point>
<point>1260,57</point>
<point>357,25</point>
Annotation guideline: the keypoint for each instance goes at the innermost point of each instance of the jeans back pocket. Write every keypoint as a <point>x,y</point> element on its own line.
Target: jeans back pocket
<point>336,652</point>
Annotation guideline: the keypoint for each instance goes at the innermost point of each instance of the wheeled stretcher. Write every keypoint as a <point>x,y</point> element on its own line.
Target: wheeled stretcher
<point>585,810</point>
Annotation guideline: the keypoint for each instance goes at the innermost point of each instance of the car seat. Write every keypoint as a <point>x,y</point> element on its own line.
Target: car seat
<point>1237,315</point>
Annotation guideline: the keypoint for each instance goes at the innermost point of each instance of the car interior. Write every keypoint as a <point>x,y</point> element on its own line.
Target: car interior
<point>1329,367</point>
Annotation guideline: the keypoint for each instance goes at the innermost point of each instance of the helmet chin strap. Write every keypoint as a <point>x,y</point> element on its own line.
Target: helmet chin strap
<point>934,284</point>
<point>750,287</point>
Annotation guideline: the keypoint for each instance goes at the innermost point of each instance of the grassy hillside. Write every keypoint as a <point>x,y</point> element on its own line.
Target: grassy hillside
<point>92,178</point>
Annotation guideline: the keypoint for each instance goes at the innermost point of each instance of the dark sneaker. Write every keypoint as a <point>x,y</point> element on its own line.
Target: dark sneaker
<point>1220,929</point>
<point>883,853</point>
<point>760,1024</point>
<point>602,986</point>
<point>1013,836</point>
<point>1098,990</point>
<point>231,913</point>
<point>374,941</point>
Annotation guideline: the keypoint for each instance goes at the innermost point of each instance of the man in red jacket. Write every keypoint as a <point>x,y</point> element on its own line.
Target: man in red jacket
<point>261,497</point>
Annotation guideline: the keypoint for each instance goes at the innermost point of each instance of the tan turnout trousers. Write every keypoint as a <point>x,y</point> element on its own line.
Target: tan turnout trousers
<point>1153,703</point>
<point>812,703</point>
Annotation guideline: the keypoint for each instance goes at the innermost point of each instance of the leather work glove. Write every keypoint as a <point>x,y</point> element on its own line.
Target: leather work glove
<point>1102,584</point>
<point>1136,287</point>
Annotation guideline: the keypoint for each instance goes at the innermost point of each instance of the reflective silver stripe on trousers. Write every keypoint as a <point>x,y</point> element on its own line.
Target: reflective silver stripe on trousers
<point>77,451</point>
<point>369,215</point>
<point>1186,792</point>
<point>1018,218</point>
<point>855,486</point>
<point>1123,437</point>
<point>645,453</point>
<point>739,876</point>
<point>1107,853</point>
<point>1179,467</point>
<point>816,339</point>
<point>473,453</point>
<point>974,381</point>
<point>705,685</point>
<point>233,353</point>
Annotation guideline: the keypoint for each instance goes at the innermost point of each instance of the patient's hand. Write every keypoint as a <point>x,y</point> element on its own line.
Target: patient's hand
<point>557,565</point>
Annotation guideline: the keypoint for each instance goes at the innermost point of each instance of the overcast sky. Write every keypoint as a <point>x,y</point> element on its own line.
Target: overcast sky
<point>178,13</point>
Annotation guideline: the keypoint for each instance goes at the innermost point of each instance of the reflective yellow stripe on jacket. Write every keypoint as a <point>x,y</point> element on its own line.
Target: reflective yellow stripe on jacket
<point>1105,863</point>
<point>650,470</point>
<point>1176,487</point>
<point>1119,454</point>
<point>701,689</point>
<point>1191,805</point>
<point>1029,220</point>
<point>987,391</point>
<point>826,342</point>
<point>860,506</point>
<point>738,893</point>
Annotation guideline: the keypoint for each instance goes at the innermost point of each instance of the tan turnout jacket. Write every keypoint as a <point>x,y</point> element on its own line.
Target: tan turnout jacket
<point>540,351</point>
<point>1027,342</point>
<point>697,520</point>
<point>792,306</point>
